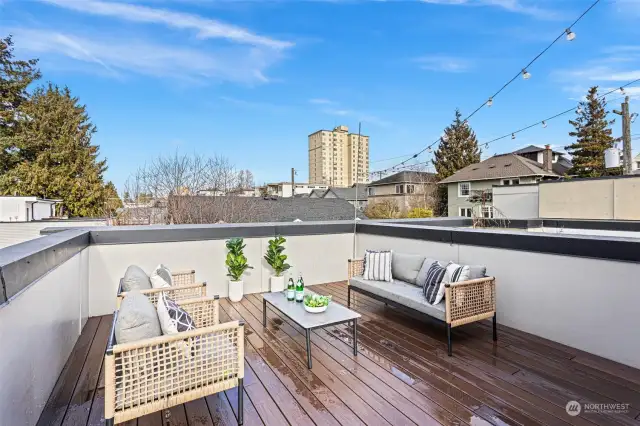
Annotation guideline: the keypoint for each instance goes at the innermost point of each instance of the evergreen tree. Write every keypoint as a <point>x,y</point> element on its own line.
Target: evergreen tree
<point>593,137</point>
<point>458,148</point>
<point>53,154</point>
<point>15,77</point>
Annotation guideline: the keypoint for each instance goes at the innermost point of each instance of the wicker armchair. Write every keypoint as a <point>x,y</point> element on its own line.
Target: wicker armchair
<point>465,301</point>
<point>154,374</point>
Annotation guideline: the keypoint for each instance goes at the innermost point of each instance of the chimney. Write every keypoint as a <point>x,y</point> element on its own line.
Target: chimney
<point>547,158</point>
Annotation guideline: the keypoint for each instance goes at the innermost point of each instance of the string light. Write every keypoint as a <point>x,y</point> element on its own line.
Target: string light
<point>544,124</point>
<point>622,90</point>
<point>513,135</point>
<point>579,110</point>
<point>444,137</point>
<point>524,73</point>
<point>570,34</point>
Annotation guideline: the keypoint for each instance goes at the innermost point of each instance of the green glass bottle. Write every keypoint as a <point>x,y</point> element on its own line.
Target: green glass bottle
<point>291,290</point>
<point>300,289</point>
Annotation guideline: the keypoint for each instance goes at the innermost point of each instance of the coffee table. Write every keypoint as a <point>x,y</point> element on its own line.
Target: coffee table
<point>335,314</point>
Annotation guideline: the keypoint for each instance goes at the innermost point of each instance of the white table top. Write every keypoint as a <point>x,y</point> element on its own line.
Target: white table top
<point>335,313</point>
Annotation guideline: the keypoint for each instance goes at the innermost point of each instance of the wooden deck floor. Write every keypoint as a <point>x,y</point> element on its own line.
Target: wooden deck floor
<point>402,376</point>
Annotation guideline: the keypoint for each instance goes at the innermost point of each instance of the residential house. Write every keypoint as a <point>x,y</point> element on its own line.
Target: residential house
<point>284,189</point>
<point>470,190</point>
<point>407,189</point>
<point>356,195</point>
<point>560,164</point>
<point>26,209</point>
<point>635,165</point>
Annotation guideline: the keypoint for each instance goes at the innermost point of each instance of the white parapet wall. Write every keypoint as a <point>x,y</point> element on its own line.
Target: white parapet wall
<point>38,328</point>
<point>320,259</point>
<point>589,304</point>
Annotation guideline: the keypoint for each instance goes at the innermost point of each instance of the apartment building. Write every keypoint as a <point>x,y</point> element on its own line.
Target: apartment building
<point>338,158</point>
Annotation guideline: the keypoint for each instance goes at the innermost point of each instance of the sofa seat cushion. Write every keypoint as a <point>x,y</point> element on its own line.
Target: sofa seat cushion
<point>405,267</point>
<point>403,293</point>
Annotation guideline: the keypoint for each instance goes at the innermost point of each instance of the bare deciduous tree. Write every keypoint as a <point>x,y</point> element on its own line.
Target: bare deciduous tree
<point>183,188</point>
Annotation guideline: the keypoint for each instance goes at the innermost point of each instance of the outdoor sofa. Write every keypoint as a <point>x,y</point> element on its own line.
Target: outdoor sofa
<point>464,302</point>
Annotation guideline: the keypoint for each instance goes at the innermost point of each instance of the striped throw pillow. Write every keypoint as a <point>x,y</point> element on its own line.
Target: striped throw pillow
<point>432,284</point>
<point>377,265</point>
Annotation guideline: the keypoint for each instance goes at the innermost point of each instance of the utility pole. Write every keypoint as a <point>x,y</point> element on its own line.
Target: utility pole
<point>293,182</point>
<point>626,136</point>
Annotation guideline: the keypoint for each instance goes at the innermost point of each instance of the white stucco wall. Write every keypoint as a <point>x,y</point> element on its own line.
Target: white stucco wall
<point>588,304</point>
<point>38,329</point>
<point>320,258</point>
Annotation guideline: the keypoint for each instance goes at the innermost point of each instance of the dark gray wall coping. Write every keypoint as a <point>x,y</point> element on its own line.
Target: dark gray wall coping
<point>546,182</point>
<point>600,247</point>
<point>22,264</point>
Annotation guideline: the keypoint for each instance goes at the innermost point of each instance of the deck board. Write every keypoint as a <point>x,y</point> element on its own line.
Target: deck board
<point>401,376</point>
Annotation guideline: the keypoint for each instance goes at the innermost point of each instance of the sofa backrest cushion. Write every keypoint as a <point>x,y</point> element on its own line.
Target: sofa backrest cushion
<point>405,267</point>
<point>135,278</point>
<point>137,319</point>
<point>161,277</point>
<point>477,271</point>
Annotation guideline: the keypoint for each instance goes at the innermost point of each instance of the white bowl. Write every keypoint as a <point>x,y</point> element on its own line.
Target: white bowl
<point>315,310</point>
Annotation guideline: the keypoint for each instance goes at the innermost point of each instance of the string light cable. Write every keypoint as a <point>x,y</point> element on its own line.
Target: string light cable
<point>570,36</point>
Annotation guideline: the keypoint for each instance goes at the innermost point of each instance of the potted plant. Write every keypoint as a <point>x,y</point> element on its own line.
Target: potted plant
<point>277,260</point>
<point>236,265</point>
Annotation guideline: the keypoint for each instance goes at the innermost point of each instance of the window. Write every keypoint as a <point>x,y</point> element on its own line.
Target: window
<point>465,211</point>
<point>464,188</point>
<point>507,182</point>
<point>411,189</point>
<point>399,189</point>
<point>487,211</point>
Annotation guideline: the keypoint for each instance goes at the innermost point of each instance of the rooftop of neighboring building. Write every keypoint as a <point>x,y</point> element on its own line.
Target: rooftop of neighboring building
<point>498,167</point>
<point>349,194</point>
<point>533,148</point>
<point>404,177</point>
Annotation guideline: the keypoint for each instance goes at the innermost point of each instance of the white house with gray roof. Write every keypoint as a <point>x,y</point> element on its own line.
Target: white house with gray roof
<point>470,190</point>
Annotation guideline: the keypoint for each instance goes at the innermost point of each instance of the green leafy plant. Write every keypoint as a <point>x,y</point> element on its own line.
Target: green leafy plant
<point>274,256</point>
<point>236,261</point>
<point>316,301</point>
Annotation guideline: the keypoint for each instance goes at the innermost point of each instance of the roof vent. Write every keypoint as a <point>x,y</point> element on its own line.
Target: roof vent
<point>507,165</point>
<point>475,168</point>
<point>492,166</point>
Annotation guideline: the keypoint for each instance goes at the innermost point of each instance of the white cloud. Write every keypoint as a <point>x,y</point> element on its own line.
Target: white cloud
<point>205,28</point>
<point>444,63</point>
<point>516,6</point>
<point>241,64</point>
<point>320,101</point>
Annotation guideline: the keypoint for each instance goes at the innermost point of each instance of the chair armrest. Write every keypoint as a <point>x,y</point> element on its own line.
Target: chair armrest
<point>181,278</point>
<point>356,267</point>
<point>469,301</point>
<point>175,293</point>
<point>204,311</point>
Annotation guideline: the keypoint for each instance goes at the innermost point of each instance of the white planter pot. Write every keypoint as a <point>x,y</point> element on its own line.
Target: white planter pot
<point>236,290</point>
<point>277,284</point>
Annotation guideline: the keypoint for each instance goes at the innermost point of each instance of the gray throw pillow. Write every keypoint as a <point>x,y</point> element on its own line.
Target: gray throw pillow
<point>137,319</point>
<point>422,274</point>
<point>405,267</point>
<point>477,271</point>
<point>135,278</point>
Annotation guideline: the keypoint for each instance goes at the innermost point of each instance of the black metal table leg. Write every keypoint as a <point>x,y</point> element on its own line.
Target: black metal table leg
<point>264,312</point>
<point>308,331</point>
<point>355,337</point>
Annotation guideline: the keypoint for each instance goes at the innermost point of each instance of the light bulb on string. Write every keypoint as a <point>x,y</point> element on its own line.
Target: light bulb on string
<point>490,102</point>
<point>622,90</point>
<point>570,34</point>
<point>579,110</point>
<point>525,74</point>
<point>444,137</point>
<point>486,145</point>
<point>513,135</point>
<point>544,124</point>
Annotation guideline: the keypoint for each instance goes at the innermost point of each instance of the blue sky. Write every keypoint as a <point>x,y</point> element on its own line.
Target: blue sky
<point>250,80</point>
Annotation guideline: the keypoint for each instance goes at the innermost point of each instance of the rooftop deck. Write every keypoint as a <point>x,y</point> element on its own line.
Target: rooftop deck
<point>402,375</point>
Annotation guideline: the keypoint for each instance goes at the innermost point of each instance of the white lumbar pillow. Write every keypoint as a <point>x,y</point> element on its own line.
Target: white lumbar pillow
<point>161,277</point>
